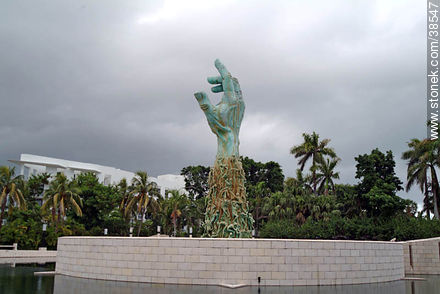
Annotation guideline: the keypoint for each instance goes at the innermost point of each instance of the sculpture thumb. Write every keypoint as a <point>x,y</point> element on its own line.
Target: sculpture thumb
<point>199,95</point>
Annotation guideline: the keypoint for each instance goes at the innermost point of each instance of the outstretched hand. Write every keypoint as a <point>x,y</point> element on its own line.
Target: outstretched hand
<point>224,83</point>
<point>225,118</point>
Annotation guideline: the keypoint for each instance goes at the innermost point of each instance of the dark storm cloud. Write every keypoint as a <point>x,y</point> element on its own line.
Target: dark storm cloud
<point>111,82</point>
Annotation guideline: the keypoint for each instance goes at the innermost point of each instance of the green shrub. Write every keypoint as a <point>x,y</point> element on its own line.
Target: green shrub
<point>360,228</point>
<point>278,229</point>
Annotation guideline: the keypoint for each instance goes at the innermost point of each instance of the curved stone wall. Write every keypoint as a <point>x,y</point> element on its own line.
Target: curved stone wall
<point>230,261</point>
<point>422,257</point>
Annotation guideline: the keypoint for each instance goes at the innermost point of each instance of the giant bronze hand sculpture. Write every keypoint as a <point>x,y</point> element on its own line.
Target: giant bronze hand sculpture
<point>224,118</point>
<point>227,210</point>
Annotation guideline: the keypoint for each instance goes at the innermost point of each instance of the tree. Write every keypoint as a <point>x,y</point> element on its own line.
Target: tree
<point>324,207</point>
<point>174,207</point>
<point>422,160</point>
<point>300,185</point>
<point>270,173</point>
<point>260,192</point>
<point>142,199</point>
<point>196,180</point>
<point>35,186</point>
<point>346,196</point>
<point>377,168</point>
<point>124,194</point>
<point>115,222</point>
<point>10,193</point>
<point>194,214</point>
<point>279,206</point>
<point>99,201</point>
<point>62,195</point>
<point>326,174</point>
<point>312,149</point>
<point>379,184</point>
<point>273,176</point>
<point>23,227</point>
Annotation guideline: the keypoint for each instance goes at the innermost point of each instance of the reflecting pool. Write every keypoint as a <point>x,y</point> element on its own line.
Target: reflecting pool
<point>20,279</point>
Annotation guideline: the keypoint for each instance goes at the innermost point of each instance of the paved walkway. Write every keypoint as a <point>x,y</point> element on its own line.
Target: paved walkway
<point>27,256</point>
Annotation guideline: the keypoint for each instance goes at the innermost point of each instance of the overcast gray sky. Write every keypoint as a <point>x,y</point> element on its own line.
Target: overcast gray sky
<point>112,82</point>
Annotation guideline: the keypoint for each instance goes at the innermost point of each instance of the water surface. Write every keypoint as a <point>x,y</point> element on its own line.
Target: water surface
<point>69,285</point>
<point>20,279</point>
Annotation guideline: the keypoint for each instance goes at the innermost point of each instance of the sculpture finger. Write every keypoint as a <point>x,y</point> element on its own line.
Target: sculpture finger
<point>200,96</point>
<point>217,89</point>
<point>237,88</point>
<point>228,88</point>
<point>203,100</point>
<point>215,80</point>
<point>221,68</point>
<point>236,84</point>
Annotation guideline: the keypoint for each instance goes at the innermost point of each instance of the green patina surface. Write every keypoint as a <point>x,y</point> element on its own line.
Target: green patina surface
<point>227,209</point>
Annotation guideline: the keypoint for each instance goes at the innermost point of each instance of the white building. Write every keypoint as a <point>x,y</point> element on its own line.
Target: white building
<point>170,182</point>
<point>33,164</point>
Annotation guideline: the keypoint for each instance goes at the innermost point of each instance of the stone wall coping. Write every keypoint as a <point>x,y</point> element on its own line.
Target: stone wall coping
<point>240,239</point>
<point>423,240</point>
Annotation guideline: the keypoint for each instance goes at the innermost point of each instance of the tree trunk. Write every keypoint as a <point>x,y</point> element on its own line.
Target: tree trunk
<point>175,226</point>
<point>58,219</point>
<point>257,216</point>
<point>427,198</point>
<point>314,181</point>
<point>435,191</point>
<point>139,229</point>
<point>53,214</point>
<point>314,173</point>
<point>2,213</point>
<point>140,223</point>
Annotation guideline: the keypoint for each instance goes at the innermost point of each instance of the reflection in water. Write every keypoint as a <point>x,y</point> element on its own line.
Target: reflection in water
<point>21,279</point>
<point>67,285</point>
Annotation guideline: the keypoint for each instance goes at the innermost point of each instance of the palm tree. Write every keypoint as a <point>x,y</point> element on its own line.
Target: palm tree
<point>428,204</point>
<point>10,193</point>
<point>35,184</point>
<point>322,208</point>
<point>61,195</point>
<point>300,185</point>
<point>259,192</point>
<point>141,197</point>
<point>125,194</point>
<point>301,208</point>
<point>279,206</point>
<point>417,172</point>
<point>326,174</point>
<point>423,157</point>
<point>432,157</point>
<point>194,212</point>
<point>312,149</point>
<point>49,202</point>
<point>175,206</point>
